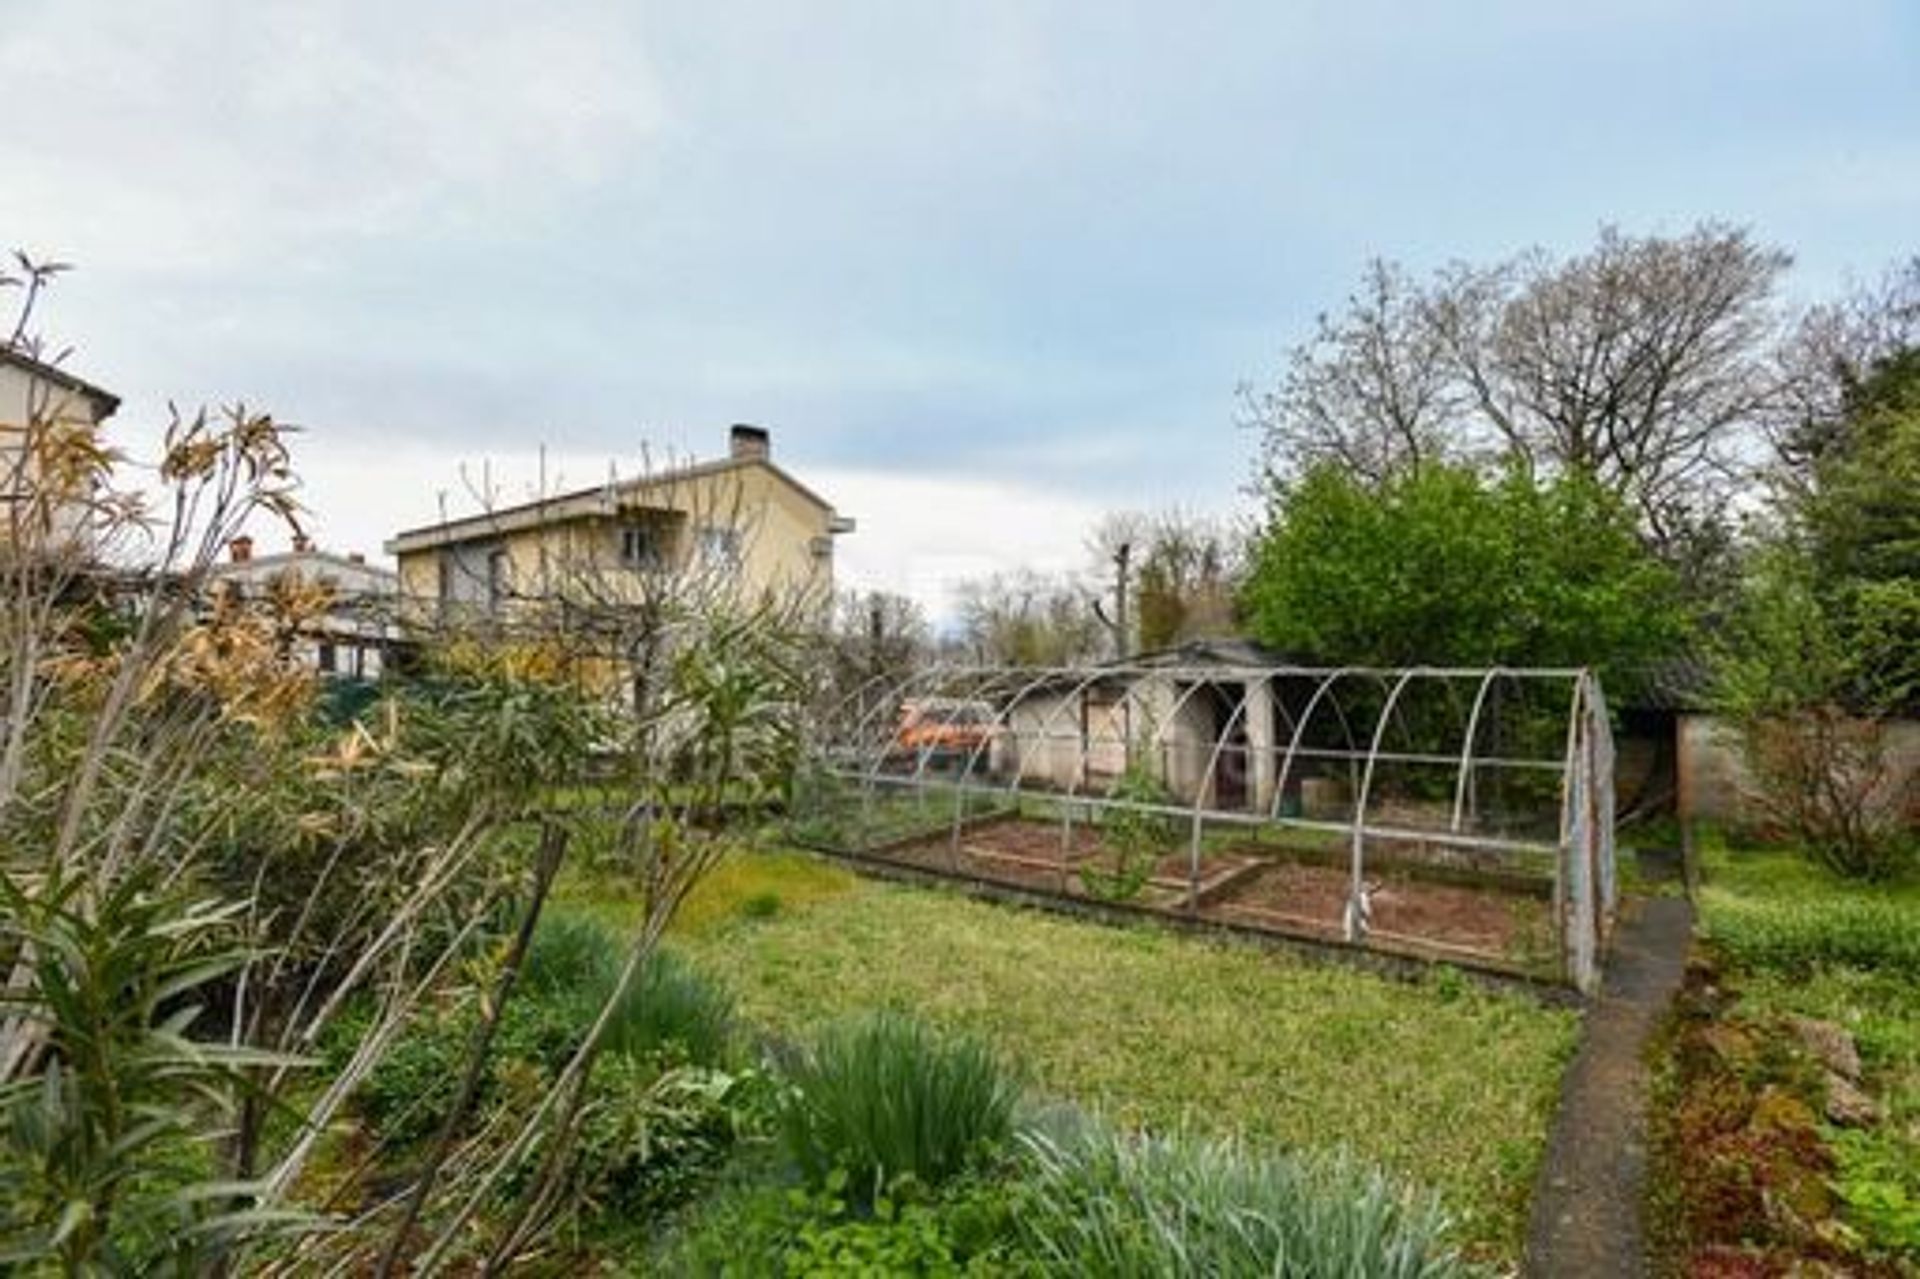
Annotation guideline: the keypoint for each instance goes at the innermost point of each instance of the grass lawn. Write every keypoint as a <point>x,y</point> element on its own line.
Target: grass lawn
<point>1439,1081</point>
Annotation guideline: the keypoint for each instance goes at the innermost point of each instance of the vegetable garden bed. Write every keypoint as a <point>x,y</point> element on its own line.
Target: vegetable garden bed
<point>1501,922</point>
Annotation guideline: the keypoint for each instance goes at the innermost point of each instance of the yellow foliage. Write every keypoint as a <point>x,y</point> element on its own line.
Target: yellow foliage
<point>534,661</point>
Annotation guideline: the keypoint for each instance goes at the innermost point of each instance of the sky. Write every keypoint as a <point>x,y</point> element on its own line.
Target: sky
<point>985,270</point>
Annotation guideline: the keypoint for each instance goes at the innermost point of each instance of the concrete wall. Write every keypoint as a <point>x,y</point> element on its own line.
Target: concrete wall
<point>1172,729</point>
<point>1185,741</point>
<point>1715,785</point>
<point>1040,742</point>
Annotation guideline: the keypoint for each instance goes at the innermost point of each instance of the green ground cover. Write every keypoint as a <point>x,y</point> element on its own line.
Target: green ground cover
<point>1770,911</point>
<point>1805,943</point>
<point>1789,939</point>
<point>1439,1081</point>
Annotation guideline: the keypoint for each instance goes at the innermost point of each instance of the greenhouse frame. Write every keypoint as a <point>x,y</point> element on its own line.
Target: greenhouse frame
<point>1461,815</point>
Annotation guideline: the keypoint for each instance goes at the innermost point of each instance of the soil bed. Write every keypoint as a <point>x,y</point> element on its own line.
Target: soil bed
<point>1490,922</point>
<point>1238,886</point>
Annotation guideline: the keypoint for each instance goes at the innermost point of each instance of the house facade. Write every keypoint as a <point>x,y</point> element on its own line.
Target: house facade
<point>740,524</point>
<point>38,396</point>
<point>356,637</point>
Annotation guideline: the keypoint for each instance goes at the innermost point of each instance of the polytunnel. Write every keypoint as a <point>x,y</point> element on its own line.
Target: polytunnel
<point>1458,815</point>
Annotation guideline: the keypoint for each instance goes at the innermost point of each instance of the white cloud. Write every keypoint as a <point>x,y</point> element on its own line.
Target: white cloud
<point>921,535</point>
<point>177,133</point>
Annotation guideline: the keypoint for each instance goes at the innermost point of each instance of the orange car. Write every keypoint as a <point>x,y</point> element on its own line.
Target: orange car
<point>944,726</point>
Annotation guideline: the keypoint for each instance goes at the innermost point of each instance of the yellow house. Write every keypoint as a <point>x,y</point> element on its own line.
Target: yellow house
<point>739,525</point>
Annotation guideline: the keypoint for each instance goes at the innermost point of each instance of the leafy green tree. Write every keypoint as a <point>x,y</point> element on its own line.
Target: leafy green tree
<point>1801,693</point>
<point>1824,646</point>
<point>1440,565</point>
<point>1861,518</point>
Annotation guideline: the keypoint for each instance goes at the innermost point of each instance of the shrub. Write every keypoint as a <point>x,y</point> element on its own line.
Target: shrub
<point>573,963</point>
<point>1809,708</point>
<point>885,1098</point>
<point>1824,777</point>
<point>572,968</point>
<point>1137,838</point>
<point>761,1228</point>
<point>1099,1201</point>
<point>96,1148</point>
<point>650,1141</point>
<point>895,1239</point>
<point>672,1006</point>
<point>407,1096</point>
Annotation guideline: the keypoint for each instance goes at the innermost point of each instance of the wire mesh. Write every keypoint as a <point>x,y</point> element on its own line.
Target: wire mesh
<point>1461,814</point>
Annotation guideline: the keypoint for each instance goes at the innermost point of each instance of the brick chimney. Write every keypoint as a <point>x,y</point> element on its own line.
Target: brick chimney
<point>302,544</point>
<point>748,443</point>
<point>240,549</point>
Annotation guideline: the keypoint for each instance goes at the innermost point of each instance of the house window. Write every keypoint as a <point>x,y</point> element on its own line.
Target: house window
<point>640,546</point>
<point>499,578</point>
<point>719,546</point>
<point>326,658</point>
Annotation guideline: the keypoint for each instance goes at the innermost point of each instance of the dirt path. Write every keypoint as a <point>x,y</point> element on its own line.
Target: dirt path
<point>1586,1204</point>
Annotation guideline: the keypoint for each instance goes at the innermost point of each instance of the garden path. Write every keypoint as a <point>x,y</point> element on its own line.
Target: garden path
<point>1587,1203</point>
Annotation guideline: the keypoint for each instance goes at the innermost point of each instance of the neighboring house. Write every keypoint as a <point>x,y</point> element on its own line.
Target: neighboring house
<point>356,638</point>
<point>741,521</point>
<point>39,394</point>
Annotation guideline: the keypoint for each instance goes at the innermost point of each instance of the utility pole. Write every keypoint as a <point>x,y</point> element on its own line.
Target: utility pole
<point>1122,559</point>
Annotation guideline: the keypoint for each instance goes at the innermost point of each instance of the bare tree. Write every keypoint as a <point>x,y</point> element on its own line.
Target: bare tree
<point>1645,362</point>
<point>1370,391</point>
<point>1185,568</point>
<point>1828,358</point>
<point>1025,618</point>
<point>876,636</point>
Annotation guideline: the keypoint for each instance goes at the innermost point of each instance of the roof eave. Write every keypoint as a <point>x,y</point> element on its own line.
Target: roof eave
<point>105,403</point>
<point>600,500</point>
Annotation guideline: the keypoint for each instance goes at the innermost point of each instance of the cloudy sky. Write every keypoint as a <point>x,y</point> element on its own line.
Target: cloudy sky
<point>985,269</point>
